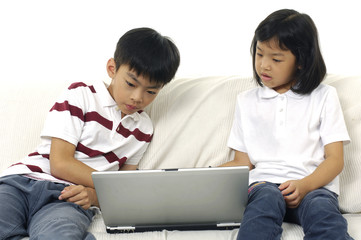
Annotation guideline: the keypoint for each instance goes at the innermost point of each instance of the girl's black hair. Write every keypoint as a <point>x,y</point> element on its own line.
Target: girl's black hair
<point>149,54</point>
<point>295,32</point>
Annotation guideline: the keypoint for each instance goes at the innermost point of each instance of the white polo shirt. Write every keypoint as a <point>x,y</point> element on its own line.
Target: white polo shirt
<point>284,134</point>
<point>88,117</point>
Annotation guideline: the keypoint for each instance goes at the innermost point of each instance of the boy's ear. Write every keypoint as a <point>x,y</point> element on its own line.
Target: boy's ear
<point>111,68</point>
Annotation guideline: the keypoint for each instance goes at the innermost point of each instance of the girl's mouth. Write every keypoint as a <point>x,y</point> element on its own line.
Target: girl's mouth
<point>265,77</point>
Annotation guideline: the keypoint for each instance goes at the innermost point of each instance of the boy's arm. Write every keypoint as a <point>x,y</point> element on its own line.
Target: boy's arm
<point>295,190</point>
<point>240,159</point>
<point>63,164</point>
<point>127,167</point>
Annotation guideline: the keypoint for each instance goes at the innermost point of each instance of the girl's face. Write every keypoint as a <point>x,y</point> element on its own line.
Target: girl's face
<point>275,67</point>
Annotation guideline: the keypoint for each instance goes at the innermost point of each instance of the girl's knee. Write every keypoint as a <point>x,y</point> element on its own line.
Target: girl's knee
<point>267,193</point>
<point>322,206</point>
<point>321,200</point>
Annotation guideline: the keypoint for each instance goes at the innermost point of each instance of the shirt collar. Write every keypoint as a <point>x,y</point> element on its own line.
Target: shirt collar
<point>267,92</point>
<point>106,100</point>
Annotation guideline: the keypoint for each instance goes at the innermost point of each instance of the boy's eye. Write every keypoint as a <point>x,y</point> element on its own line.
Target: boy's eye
<point>130,84</point>
<point>151,92</point>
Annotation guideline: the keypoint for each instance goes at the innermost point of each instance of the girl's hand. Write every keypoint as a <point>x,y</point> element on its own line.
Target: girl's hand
<point>293,192</point>
<point>78,194</point>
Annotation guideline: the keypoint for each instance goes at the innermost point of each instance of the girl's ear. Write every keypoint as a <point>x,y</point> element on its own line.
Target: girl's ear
<point>111,68</point>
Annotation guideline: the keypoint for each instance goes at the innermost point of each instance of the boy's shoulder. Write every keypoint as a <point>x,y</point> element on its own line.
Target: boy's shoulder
<point>81,86</point>
<point>145,121</point>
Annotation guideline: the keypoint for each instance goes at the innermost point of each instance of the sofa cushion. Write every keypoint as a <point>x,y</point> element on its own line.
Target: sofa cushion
<point>23,109</point>
<point>192,119</point>
<point>348,90</point>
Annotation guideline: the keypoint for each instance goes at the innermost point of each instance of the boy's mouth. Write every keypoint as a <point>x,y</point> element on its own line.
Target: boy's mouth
<point>130,107</point>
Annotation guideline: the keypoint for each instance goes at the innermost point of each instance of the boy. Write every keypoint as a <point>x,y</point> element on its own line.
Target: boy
<point>90,128</point>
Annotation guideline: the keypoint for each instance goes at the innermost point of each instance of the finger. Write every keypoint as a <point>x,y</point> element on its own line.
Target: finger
<point>290,198</point>
<point>293,203</point>
<point>69,192</point>
<point>283,186</point>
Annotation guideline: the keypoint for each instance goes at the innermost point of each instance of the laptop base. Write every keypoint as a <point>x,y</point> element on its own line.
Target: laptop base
<point>158,228</point>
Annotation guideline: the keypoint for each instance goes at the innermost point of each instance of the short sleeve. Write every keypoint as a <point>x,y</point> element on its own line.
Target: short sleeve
<point>235,140</point>
<point>333,127</point>
<point>65,119</point>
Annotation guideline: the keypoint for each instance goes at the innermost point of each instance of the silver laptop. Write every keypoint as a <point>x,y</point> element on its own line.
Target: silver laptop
<point>172,199</point>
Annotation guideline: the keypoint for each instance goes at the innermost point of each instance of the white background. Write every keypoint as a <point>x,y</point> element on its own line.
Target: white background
<point>70,40</point>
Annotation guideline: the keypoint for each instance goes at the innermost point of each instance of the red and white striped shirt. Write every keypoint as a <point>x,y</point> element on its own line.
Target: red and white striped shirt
<point>88,118</point>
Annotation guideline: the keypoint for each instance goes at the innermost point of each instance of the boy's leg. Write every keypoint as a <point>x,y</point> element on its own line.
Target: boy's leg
<point>264,213</point>
<point>320,217</point>
<point>61,220</point>
<point>13,208</point>
<point>54,219</point>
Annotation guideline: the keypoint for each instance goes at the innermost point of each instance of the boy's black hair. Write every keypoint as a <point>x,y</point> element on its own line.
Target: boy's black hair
<point>149,54</point>
<point>295,32</point>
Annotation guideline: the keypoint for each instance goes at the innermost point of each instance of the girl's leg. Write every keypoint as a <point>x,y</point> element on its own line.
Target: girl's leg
<point>264,213</point>
<point>13,208</point>
<point>320,217</point>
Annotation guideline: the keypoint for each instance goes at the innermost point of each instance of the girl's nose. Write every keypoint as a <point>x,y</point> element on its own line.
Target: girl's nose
<point>265,64</point>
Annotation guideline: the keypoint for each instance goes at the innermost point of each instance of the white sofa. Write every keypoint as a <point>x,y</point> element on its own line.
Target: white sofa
<point>192,118</point>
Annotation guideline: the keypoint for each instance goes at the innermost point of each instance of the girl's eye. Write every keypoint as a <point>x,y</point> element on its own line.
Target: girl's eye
<point>276,60</point>
<point>260,55</point>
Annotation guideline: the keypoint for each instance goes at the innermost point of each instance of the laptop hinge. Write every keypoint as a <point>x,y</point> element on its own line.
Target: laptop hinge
<point>125,229</point>
<point>228,226</point>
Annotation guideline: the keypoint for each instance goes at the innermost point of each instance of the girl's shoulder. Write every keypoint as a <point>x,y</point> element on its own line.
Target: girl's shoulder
<point>250,93</point>
<point>324,89</point>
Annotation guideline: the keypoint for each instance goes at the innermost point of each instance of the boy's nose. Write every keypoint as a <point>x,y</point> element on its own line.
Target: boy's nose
<point>137,96</point>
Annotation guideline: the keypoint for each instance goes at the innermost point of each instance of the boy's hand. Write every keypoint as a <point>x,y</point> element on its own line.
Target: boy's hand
<point>78,194</point>
<point>293,192</point>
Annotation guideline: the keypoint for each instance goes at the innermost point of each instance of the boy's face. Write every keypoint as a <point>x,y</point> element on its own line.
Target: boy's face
<point>275,67</point>
<point>130,91</point>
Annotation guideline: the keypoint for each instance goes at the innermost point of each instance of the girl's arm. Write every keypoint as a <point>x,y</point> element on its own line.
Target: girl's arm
<point>240,159</point>
<point>295,190</point>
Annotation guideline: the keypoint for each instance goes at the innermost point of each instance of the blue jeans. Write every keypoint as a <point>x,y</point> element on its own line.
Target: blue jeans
<point>318,214</point>
<point>31,208</point>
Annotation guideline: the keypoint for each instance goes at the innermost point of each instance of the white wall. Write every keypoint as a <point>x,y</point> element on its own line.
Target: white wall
<point>72,39</point>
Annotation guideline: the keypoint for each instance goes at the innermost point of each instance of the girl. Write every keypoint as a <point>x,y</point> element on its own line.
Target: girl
<point>290,133</point>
